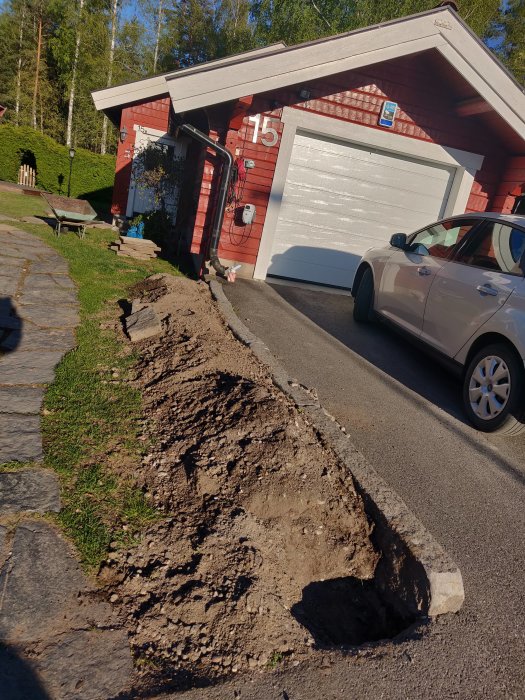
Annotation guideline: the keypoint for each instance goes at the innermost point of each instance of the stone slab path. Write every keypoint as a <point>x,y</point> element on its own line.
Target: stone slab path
<point>38,315</point>
<point>58,639</point>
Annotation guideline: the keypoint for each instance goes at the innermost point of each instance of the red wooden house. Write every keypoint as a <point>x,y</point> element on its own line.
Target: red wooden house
<point>337,144</point>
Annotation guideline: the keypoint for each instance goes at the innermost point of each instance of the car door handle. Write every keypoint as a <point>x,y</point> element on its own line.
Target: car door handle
<point>487,289</point>
<point>422,271</point>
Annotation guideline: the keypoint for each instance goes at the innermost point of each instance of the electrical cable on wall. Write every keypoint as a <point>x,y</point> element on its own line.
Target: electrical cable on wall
<point>235,197</point>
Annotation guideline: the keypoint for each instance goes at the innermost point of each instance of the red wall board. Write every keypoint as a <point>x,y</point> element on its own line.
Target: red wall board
<point>426,112</point>
<point>513,178</point>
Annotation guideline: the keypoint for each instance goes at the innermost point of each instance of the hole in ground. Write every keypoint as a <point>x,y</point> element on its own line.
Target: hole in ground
<point>347,612</point>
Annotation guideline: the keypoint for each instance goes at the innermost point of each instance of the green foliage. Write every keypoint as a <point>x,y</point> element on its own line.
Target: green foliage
<point>156,170</point>
<point>183,33</point>
<point>92,175</point>
<point>158,227</point>
<point>294,21</point>
<point>509,33</point>
<point>275,659</point>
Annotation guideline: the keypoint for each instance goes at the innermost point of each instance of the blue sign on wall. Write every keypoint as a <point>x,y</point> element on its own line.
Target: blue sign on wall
<point>388,114</point>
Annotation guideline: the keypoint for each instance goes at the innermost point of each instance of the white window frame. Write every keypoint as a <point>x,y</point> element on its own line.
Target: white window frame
<point>466,165</point>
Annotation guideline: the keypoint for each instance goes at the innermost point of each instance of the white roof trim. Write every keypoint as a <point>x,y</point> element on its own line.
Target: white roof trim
<point>278,66</point>
<point>440,29</point>
<point>303,62</point>
<point>149,88</point>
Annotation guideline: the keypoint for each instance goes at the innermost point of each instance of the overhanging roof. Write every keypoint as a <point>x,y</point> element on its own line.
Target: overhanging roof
<point>150,88</point>
<point>278,66</point>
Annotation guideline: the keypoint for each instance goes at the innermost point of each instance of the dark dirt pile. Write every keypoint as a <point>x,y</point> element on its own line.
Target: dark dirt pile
<point>260,517</point>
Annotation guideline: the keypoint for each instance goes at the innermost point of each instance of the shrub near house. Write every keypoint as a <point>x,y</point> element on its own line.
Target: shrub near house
<point>92,174</point>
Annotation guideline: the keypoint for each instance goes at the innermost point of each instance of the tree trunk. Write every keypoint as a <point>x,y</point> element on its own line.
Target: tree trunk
<point>37,70</point>
<point>19,67</point>
<point>41,111</point>
<point>114,22</point>
<point>157,42</point>
<point>72,88</point>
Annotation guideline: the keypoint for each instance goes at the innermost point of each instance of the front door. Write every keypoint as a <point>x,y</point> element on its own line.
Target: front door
<point>409,274</point>
<point>141,199</point>
<point>471,288</point>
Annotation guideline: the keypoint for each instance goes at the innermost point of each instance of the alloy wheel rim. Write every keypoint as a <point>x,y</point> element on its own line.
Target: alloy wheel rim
<point>489,387</point>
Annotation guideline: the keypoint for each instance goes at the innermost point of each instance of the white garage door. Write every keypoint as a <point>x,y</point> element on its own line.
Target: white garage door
<point>341,199</point>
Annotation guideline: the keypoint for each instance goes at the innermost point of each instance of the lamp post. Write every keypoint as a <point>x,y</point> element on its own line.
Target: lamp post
<point>71,156</point>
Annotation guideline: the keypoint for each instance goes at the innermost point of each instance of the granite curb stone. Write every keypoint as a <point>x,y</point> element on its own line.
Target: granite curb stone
<point>415,571</point>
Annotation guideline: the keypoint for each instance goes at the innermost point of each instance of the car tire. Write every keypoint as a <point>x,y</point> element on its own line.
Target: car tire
<point>489,409</point>
<point>364,298</point>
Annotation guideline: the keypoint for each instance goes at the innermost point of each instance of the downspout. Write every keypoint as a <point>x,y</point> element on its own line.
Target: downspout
<point>218,216</point>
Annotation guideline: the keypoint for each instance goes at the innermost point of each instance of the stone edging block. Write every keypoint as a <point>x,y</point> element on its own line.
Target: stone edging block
<point>415,572</point>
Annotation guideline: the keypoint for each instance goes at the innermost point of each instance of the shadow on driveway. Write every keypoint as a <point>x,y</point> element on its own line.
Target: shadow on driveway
<point>378,345</point>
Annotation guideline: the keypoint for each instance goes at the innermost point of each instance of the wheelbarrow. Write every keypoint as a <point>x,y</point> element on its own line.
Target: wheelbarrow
<point>70,213</point>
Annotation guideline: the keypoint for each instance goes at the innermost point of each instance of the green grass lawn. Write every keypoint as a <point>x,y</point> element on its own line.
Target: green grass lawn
<point>92,416</point>
<point>18,204</point>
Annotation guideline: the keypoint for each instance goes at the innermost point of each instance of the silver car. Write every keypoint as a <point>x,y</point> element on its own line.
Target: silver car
<point>458,286</point>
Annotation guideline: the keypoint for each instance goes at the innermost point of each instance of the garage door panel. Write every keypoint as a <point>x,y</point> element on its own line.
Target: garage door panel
<point>311,236</point>
<point>370,177</point>
<point>341,199</point>
<point>372,170</point>
<point>331,152</point>
<point>335,268</point>
<point>358,196</point>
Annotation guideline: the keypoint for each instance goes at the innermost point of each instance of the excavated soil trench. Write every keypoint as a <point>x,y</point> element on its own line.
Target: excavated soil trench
<point>264,555</point>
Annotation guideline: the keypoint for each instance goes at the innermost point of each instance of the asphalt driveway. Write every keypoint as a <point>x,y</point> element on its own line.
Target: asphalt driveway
<point>403,413</point>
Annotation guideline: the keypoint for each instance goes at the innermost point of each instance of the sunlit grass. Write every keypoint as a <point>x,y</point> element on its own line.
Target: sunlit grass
<point>92,414</point>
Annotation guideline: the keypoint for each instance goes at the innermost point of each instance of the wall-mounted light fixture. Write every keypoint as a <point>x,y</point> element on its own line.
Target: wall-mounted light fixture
<point>123,134</point>
<point>304,94</point>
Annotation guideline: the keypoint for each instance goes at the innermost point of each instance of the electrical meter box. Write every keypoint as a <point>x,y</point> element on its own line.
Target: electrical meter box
<point>248,214</point>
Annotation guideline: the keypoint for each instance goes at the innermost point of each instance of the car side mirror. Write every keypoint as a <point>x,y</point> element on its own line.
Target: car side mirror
<point>399,240</point>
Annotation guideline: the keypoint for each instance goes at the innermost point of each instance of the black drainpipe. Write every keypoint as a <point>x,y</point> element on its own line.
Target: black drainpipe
<point>218,217</point>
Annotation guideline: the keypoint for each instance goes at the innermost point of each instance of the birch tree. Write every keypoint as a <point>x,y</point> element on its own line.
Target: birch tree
<point>111,58</point>
<point>38,58</point>
<point>19,62</point>
<point>72,88</point>
<point>157,36</point>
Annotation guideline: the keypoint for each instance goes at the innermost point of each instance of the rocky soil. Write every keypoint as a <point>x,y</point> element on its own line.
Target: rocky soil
<point>262,555</point>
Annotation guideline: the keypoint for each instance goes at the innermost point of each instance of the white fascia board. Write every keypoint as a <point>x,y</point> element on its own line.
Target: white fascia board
<point>508,110</point>
<point>303,62</point>
<point>383,139</point>
<point>442,30</point>
<point>301,75</point>
<point>120,95</point>
<point>485,75</point>
<point>149,88</point>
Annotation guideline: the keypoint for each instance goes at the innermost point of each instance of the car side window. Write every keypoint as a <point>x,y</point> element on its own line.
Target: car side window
<point>440,240</point>
<point>497,247</point>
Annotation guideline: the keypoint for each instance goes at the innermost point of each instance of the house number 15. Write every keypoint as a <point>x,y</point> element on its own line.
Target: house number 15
<point>269,136</point>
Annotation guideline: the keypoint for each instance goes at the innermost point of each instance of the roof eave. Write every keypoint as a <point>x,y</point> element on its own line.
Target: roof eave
<point>440,29</point>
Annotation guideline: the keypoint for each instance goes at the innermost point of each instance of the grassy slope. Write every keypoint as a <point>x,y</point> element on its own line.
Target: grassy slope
<point>92,416</point>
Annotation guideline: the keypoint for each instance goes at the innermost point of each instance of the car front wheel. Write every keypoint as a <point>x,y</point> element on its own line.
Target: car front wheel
<point>364,298</point>
<point>493,390</point>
